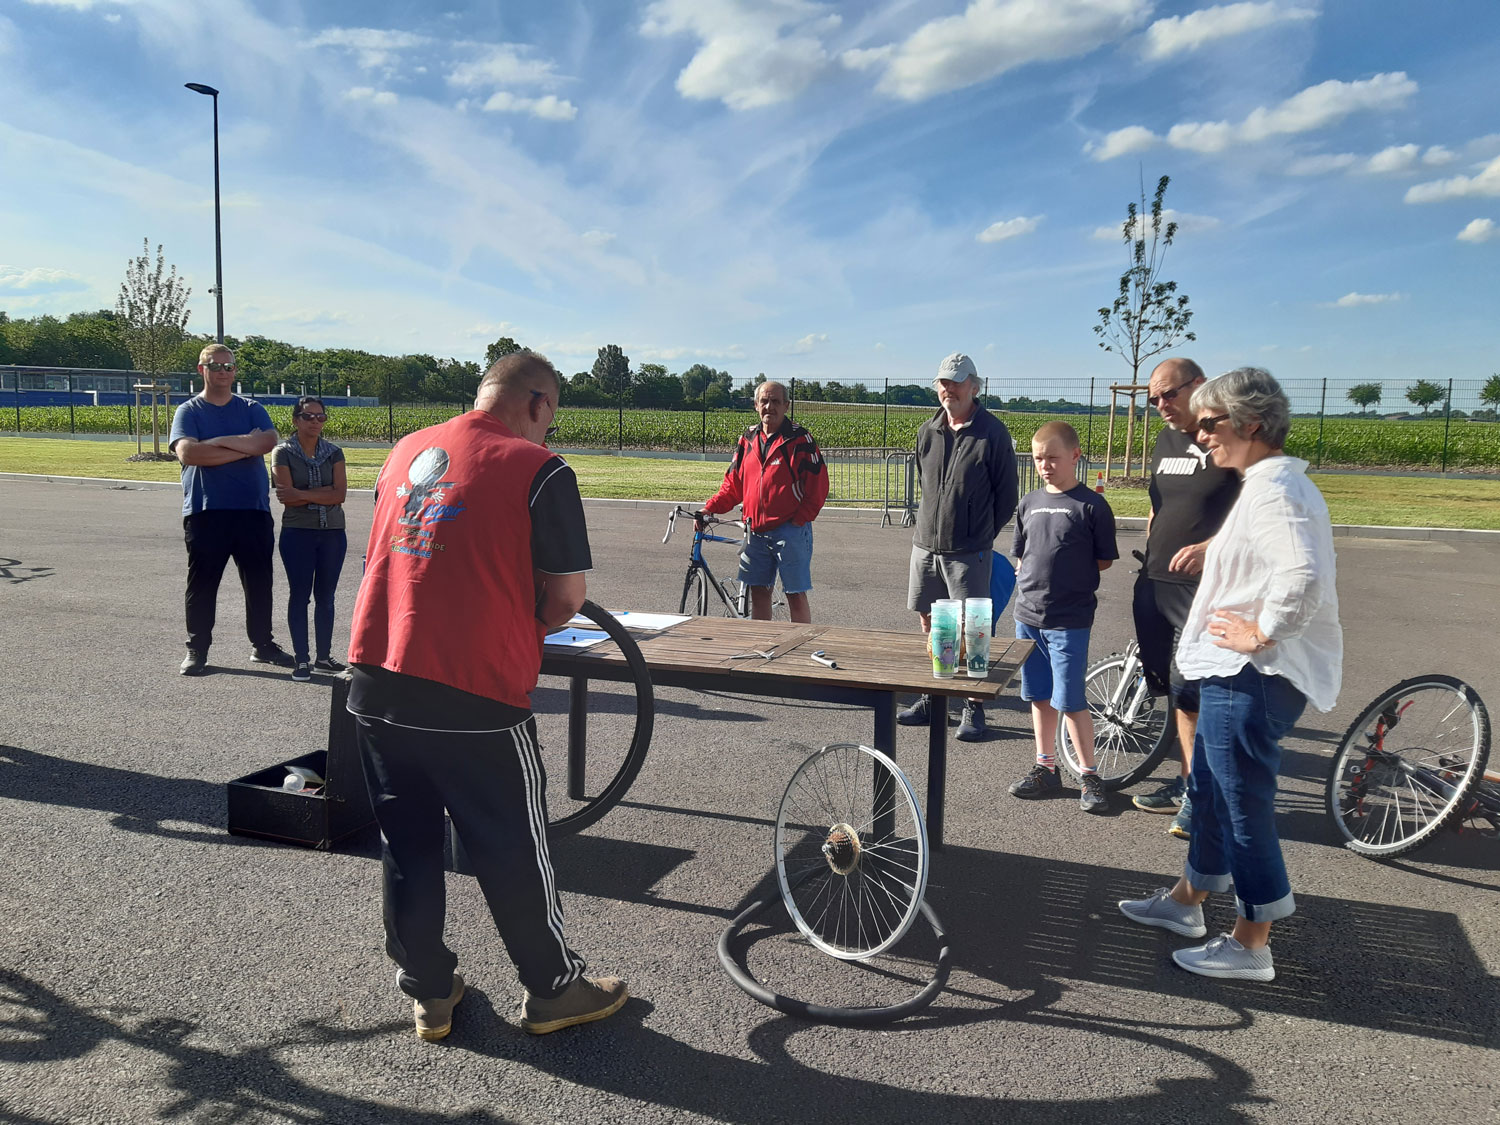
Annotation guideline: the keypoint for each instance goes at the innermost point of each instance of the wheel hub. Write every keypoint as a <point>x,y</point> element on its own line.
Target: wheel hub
<point>841,849</point>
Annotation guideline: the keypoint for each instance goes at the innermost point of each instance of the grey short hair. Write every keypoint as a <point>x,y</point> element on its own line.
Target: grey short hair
<point>1247,394</point>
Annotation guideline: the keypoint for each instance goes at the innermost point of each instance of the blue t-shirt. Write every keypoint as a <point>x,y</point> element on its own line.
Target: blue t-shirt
<point>1060,538</point>
<point>241,484</point>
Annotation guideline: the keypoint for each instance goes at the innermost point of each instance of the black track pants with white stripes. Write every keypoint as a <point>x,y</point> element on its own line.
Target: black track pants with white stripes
<point>494,788</point>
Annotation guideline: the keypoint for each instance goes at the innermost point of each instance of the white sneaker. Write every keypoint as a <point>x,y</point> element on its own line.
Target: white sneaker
<point>1227,958</point>
<point>1161,909</point>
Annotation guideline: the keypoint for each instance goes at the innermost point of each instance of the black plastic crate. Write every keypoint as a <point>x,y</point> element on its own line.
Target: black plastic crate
<point>260,807</point>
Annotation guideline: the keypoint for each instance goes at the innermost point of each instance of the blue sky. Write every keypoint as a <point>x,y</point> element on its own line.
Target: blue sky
<point>817,190</point>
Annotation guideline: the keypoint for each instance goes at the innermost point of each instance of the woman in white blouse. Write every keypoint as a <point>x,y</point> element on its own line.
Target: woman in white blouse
<point>1263,639</point>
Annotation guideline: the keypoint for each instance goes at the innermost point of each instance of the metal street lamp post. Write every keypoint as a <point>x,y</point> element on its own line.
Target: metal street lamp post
<point>198,87</point>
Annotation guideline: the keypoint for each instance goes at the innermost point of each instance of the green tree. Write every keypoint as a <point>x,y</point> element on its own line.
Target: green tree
<point>1148,315</point>
<point>499,350</point>
<point>1488,394</point>
<point>612,370</point>
<point>697,378</point>
<point>1364,395</point>
<point>1423,393</point>
<point>153,309</point>
<point>655,388</point>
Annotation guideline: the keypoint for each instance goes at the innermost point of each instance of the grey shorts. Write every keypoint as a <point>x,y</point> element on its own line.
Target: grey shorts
<point>965,574</point>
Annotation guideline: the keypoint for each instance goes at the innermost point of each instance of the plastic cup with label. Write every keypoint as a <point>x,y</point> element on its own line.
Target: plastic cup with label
<point>978,620</point>
<point>944,637</point>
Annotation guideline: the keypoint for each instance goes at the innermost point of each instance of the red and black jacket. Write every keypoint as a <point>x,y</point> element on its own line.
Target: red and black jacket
<point>777,479</point>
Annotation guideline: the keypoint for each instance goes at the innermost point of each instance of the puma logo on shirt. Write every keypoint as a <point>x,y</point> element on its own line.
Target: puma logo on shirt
<point>1196,460</point>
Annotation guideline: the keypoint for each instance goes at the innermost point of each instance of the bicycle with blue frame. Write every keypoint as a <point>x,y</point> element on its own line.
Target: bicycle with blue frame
<point>703,593</point>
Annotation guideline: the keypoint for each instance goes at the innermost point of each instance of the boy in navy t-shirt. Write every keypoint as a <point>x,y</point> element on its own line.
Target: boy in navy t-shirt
<point>1065,535</point>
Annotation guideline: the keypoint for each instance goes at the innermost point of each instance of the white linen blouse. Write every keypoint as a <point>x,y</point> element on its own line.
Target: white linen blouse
<point>1273,561</point>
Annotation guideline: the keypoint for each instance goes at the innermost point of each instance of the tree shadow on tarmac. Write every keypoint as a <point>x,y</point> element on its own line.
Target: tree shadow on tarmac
<point>206,1083</point>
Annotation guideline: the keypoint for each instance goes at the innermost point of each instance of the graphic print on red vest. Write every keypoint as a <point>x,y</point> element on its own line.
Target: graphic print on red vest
<point>428,503</point>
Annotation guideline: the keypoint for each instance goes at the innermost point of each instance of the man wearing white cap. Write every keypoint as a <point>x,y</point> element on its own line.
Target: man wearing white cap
<point>966,465</point>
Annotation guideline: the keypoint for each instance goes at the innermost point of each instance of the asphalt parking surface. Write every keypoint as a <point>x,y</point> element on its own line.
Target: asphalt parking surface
<point>155,968</point>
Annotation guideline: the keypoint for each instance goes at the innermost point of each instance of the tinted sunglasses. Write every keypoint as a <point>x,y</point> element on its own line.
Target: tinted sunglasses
<point>219,366</point>
<point>1208,424</point>
<point>313,417</point>
<point>1168,396</point>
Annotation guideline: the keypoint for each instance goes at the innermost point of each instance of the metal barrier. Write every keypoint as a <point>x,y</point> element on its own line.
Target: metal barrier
<point>903,465</point>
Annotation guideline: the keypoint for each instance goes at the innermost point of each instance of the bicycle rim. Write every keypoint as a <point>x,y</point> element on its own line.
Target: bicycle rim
<point>851,851</point>
<point>1394,786</point>
<point>692,593</point>
<point>1129,743</point>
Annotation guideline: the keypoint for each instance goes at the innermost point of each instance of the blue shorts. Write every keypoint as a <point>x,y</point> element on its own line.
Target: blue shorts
<point>1054,671</point>
<point>787,550</point>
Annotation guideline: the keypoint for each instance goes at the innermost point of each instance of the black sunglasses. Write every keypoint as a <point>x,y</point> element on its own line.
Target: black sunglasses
<point>219,366</point>
<point>1168,396</point>
<point>1208,425</point>
<point>313,417</point>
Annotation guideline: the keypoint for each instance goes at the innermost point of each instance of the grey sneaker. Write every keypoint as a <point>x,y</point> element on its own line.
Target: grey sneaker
<point>971,728</point>
<point>1224,957</point>
<point>1182,823</point>
<point>194,663</point>
<point>1162,910</point>
<point>585,1000</point>
<point>435,1017</point>
<point>917,714</point>
<point>1038,783</point>
<point>1168,799</point>
<point>1092,799</point>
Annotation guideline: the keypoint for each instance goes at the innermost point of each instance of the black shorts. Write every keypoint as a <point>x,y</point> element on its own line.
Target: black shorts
<point>1161,611</point>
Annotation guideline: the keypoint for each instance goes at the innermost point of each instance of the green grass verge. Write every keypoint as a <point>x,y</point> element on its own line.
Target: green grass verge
<point>1387,501</point>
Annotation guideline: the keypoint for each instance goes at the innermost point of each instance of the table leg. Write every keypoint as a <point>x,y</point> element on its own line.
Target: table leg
<point>885,789</point>
<point>937,769</point>
<point>578,727</point>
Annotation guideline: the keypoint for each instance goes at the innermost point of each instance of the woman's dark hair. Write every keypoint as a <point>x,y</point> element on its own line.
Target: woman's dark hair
<point>304,400</point>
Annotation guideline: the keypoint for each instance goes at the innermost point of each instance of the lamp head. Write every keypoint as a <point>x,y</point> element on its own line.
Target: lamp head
<point>199,87</point>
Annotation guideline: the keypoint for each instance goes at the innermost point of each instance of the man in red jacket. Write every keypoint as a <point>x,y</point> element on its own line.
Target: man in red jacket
<point>778,478</point>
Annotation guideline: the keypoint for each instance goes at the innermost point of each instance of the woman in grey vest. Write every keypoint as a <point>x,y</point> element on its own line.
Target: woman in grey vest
<point>309,477</point>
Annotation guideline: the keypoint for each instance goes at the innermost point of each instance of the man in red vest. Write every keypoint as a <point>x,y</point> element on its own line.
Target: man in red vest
<point>477,549</point>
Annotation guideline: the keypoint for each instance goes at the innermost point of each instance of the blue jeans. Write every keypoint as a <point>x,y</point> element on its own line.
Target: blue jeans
<point>313,557</point>
<point>1054,672</point>
<point>1232,787</point>
<point>787,551</point>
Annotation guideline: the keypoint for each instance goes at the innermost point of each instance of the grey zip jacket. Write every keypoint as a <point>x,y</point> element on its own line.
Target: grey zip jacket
<point>968,480</point>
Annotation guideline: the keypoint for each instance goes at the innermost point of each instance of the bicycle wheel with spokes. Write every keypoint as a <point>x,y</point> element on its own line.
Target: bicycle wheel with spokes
<point>851,851</point>
<point>1407,766</point>
<point>1133,729</point>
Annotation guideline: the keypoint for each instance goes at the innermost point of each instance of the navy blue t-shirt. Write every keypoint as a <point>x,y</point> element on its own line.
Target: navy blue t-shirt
<point>1060,538</point>
<point>241,484</point>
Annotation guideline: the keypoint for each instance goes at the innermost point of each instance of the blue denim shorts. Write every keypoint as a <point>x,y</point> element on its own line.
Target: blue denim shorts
<point>787,550</point>
<point>1054,670</point>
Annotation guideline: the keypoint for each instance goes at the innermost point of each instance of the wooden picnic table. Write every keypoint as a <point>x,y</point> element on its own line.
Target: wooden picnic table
<point>874,667</point>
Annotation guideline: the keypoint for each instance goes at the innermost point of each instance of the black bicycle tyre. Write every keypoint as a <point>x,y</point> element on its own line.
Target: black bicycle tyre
<point>1462,798</point>
<point>1148,762</point>
<point>640,739</point>
<point>692,592</point>
<point>822,1013</point>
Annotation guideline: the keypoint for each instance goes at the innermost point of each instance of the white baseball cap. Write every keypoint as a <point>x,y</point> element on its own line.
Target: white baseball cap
<point>957,367</point>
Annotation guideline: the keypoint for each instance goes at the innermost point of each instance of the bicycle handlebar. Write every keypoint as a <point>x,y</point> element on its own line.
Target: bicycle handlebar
<point>697,517</point>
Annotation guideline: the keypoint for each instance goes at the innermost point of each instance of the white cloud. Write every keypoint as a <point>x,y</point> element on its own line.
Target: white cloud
<point>507,64</point>
<point>1322,164</point>
<point>1480,230</point>
<point>807,343</point>
<point>14,279</point>
<point>76,5</point>
<point>1008,228</point>
<point>1186,224</point>
<point>1485,182</point>
<point>548,108</point>
<point>597,237</point>
<point>751,53</point>
<point>1175,34</point>
<point>370,94</point>
<point>372,47</point>
<point>994,36</point>
<point>1132,138</point>
<point>1396,158</point>
<point>1356,300</point>
<point>1438,155</point>
<point>864,58</point>
<point>1314,108</point>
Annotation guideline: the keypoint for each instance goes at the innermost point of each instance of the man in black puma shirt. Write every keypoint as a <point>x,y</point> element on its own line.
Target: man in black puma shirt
<point>1190,497</point>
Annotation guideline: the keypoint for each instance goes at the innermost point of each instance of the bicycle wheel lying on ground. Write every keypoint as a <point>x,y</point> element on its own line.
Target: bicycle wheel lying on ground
<point>1407,765</point>
<point>851,851</point>
<point>620,717</point>
<point>1133,729</point>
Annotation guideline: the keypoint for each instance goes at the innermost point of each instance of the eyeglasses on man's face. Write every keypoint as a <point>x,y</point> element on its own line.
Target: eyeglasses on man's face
<point>1208,424</point>
<point>219,366</point>
<point>313,417</point>
<point>1168,396</point>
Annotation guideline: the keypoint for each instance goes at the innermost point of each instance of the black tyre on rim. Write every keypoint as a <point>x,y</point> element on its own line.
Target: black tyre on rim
<point>1134,730</point>
<point>1408,765</point>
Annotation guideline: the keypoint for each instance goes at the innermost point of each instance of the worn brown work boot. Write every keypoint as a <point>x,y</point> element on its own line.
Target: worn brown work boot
<point>585,1000</point>
<point>435,1017</point>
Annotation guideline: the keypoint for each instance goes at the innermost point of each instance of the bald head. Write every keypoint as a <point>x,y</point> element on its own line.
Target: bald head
<point>1171,388</point>
<point>521,390</point>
